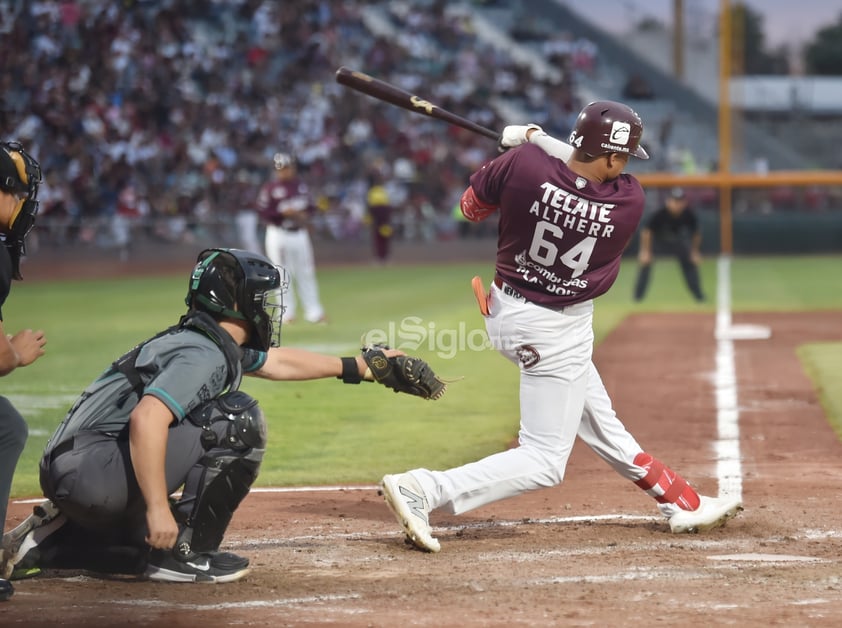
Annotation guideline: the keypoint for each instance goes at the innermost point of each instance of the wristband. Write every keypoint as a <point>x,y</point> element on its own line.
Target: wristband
<point>350,371</point>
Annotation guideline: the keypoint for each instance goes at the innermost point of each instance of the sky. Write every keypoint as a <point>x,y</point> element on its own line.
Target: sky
<point>785,22</point>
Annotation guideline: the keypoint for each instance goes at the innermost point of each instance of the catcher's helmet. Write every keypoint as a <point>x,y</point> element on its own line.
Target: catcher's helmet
<point>283,160</point>
<point>240,284</point>
<point>605,126</point>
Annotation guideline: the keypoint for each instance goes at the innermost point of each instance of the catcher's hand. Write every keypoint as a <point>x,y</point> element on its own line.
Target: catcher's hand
<point>403,373</point>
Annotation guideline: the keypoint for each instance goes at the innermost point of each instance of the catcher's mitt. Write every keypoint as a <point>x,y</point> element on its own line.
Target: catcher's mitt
<point>403,373</point>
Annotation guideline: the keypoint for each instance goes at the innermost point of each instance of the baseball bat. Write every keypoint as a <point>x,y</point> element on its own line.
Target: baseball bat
<point>394,95</point>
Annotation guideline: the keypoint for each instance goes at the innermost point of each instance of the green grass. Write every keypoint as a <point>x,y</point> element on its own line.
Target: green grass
<point>328,432</point>
<point>823,364</point>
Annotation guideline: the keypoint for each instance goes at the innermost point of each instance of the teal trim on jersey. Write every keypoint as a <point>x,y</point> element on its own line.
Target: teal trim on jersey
<point>171,403</point>
<point>260,360</point>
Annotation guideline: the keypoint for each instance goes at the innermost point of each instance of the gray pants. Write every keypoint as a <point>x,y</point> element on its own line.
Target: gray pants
<point>91,478</point>
<point>13,434</point>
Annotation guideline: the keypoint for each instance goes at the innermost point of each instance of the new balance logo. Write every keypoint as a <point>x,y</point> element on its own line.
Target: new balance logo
<point>415,503</point>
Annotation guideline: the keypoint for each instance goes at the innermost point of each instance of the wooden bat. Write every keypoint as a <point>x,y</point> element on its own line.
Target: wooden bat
<point>389,93</point>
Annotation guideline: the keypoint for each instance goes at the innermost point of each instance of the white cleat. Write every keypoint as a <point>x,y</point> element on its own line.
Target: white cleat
<point>408,503</point>
<point>712,513</point>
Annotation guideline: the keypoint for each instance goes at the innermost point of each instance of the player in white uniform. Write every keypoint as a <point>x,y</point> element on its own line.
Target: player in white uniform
<point>566,213</point>
<point>284,205</point>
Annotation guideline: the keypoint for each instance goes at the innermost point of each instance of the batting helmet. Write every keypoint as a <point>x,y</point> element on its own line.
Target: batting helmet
<point>283,160</point>
<point>239,284</point>
<point>605,126</point>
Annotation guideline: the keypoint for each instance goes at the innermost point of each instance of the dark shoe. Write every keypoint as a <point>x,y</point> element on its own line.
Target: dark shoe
<point>20,545</point>
<point>6,589</point>
<point>166,566</point>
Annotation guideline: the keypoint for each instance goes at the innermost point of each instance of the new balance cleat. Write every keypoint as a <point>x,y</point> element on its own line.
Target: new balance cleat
<point>207,567</point>
<point>712,513</point>
<point>20,544</point>
<point>408,503</point>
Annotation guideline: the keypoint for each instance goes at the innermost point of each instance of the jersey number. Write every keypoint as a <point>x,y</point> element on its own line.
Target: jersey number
<point>545,250</point>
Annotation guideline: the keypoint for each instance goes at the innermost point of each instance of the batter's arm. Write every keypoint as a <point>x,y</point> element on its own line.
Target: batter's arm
<point>515,135</point>
<point>550,145</point>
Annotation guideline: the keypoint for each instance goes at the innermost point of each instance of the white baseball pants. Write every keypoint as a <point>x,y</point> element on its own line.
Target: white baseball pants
<point>294,251</point>
<point>561,396</point>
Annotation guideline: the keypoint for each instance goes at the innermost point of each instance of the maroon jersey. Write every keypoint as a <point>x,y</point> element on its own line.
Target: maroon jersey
<point>284,203</point>
<point>560,236</point>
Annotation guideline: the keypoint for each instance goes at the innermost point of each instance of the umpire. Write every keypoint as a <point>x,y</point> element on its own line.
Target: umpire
<point>672,230</point>
<point>20,176</point>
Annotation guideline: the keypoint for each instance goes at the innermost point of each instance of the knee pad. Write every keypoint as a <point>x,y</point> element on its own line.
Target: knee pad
<point>245,425</point>
<point>234,438</point>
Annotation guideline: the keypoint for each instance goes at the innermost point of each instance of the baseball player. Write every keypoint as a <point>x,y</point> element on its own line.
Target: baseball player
<point>169,414</point>
<point>673,229</point>
<point>20,177</point>
<point>284,205</point>
<point>566,213</point>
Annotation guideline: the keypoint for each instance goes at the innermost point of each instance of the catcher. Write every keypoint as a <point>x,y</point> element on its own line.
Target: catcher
<point>167,415</point>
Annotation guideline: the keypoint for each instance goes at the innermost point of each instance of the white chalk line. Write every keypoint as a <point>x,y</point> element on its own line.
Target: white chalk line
<point>729,471</point>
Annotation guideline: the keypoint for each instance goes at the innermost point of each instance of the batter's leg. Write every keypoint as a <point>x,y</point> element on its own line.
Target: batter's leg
<point>553,383</point>
<point>603,432</point>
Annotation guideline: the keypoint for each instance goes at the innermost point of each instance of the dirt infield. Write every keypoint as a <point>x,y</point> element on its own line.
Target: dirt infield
<point>591,552</point>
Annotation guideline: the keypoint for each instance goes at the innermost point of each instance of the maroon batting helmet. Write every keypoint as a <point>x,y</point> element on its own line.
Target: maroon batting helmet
<point>605,126</point>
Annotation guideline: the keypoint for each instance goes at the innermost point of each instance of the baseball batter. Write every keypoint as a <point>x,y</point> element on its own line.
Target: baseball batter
<point>566,213</point>
<point>284,204</point>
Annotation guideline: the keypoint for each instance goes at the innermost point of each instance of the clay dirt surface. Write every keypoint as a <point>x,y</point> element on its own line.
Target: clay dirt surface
<point>591,552</point>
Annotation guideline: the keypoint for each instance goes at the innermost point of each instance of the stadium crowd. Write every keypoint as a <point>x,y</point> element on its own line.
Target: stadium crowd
<point>162,117</point>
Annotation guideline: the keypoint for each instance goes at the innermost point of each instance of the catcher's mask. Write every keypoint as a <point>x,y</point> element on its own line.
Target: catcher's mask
<point>20,176</point>
<point>239,284</point>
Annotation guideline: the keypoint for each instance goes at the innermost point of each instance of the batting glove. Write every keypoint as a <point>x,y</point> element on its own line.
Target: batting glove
<point>515,135</point>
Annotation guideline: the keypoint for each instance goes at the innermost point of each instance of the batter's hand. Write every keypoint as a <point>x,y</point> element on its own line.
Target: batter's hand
<point>515,135</point>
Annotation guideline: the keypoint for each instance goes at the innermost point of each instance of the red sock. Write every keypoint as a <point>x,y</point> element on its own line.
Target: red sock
<point>664,484</point>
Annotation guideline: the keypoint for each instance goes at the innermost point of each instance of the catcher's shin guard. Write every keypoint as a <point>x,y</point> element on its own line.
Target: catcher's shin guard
<point>664,484</point>
<point>234,437</point>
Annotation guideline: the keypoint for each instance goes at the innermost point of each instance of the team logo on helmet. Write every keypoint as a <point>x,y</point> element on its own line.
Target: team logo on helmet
<point>620,132</point>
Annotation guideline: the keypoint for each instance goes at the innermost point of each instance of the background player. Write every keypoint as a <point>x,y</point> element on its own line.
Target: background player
<point>673,229</point>
<point>20,176</point>
<point>565,216</point>
<point>285,206</point>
